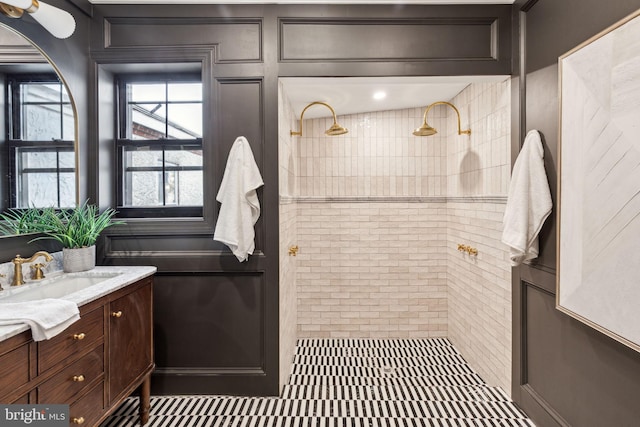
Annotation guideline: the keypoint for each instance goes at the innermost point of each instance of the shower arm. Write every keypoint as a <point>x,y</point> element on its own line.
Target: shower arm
<point>335,120</point>
<point>460,131</point>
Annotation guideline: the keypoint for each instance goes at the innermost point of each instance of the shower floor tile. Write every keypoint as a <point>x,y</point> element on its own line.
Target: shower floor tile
<point>351,383</point>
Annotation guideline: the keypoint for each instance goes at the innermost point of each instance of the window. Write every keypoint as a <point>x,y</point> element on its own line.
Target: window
<point>40,131</point>
<point>160,146</point>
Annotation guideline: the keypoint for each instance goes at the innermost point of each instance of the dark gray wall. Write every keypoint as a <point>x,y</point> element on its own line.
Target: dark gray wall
<point>565,373</point>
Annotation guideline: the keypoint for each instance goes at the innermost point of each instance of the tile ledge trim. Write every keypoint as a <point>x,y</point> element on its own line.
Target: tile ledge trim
<point>385,199</point>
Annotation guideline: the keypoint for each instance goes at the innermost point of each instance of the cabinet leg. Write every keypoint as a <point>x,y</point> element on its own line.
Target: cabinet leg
<point>145,400</point>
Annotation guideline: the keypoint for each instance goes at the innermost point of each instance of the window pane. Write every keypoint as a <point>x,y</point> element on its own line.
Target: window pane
<point>190,188</point>
<point>185,92</point>
<point>41,122</point>
<point>37,178</point>
<point>65,95</point>
<point>144,174</point>
<point>68,123</point>
<point>185,121</point>
<point>30,159</point>
<point>67,190</point>
<point>187,188</point>
<point>41,92</point>
<point>171,188</point>
<point>147,92</point>
<point>145,188</point>
<point>67,159</point>
<point>147,125</point>
<point>45,158</point>
<point>186,157</point>
<point>142,157</point>
<point>38,190</point>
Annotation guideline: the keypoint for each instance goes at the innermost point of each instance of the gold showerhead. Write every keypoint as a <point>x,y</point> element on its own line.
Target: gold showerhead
<point>426,130</point>
<point>334,130</point>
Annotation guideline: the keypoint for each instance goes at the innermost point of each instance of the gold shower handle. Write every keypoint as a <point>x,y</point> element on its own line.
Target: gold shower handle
<point>468,249</point>
<point>293,250</point>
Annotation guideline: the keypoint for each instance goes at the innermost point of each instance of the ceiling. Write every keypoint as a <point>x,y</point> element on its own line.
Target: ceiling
<point>350,95</point>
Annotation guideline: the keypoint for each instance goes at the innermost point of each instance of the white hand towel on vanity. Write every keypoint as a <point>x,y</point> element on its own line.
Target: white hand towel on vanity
<point>529,202</point>
<point>240,207</point>
<point>46,317</point>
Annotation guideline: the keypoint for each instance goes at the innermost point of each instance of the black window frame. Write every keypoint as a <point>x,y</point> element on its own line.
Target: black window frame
<point>13,120</point>
<point>123,142</point>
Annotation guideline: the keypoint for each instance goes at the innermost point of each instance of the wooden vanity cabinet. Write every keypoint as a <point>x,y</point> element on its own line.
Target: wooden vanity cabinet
<point>93,365</point>
<point>16,363</point>
<point>131,339</point>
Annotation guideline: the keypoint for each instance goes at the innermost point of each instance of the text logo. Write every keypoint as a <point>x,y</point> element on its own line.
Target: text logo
<point>34,415</point>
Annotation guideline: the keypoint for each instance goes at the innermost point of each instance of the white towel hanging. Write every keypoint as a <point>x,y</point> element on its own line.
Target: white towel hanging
<point>529,202</point>
<point>240,207</point>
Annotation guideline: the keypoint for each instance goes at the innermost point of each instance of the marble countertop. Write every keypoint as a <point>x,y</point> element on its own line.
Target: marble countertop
<point>124,276</point>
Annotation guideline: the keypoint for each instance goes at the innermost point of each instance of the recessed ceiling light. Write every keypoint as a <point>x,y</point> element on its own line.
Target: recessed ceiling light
<point>380,95</point>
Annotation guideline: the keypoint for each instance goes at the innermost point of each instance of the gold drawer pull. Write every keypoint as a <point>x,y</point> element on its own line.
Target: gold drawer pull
<point>77,420</point>
<point>116,314</point>
<point>78,378</point>
<point>79,337</point>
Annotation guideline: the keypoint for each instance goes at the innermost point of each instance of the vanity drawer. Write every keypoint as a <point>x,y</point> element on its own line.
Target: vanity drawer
<point>81,335</point>
<point>73,379</point>
<point>89,408</point>
<point>14,366</point>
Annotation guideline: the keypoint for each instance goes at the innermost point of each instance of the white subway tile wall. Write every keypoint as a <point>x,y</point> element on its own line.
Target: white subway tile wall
<point>479,290</point>
<point>480,164</point>
<point>378,157</point>
<point>479,300</point>
<point>379,214</point>
<point>372,270</point>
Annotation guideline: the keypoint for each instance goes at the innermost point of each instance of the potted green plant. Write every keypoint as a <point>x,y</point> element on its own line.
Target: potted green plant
<point>23,221</point>
<point>77,230</point>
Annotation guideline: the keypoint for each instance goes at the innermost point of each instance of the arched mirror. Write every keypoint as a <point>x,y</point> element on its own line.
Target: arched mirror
<point>38,156</point>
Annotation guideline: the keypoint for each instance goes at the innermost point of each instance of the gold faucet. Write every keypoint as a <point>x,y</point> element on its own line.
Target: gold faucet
<point>18,261</point>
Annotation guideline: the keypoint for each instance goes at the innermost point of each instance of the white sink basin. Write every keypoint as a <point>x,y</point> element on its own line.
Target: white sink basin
<point>56,287</point>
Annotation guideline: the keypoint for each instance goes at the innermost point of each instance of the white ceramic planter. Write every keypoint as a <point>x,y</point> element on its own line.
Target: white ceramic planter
<point>80,259</point>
